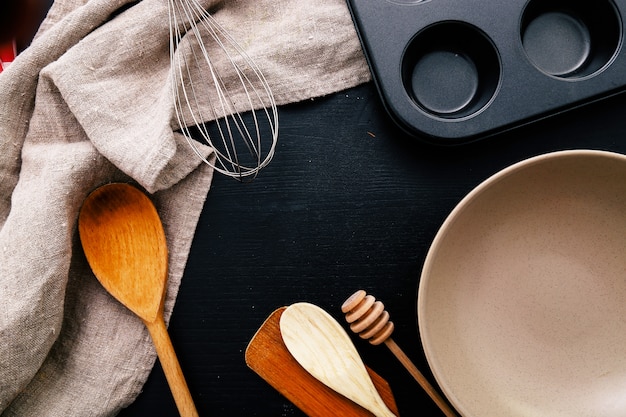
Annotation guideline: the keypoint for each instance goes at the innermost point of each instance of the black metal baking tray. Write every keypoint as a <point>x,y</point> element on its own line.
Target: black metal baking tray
<point>454,71</point>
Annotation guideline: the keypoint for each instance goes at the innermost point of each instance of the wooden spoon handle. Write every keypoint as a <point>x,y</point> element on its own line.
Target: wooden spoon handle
<point>171,368</point>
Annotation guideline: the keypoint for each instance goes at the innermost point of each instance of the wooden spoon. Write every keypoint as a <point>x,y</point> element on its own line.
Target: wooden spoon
<point>124,243</point>
<point>325,350</point>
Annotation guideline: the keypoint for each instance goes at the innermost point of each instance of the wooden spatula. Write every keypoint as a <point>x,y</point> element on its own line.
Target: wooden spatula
<point>268,356</point>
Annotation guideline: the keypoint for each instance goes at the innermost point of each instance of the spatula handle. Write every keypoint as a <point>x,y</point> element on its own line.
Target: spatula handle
<point>171,368</point>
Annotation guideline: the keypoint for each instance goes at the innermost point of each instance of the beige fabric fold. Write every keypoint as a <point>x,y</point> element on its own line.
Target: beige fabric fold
<point>90,102</point>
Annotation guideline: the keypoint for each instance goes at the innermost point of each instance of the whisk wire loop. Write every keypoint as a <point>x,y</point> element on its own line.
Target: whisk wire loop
<point>214,80</point>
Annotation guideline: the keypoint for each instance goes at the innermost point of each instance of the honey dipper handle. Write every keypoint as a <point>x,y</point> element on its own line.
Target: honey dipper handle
<point>421,380</point>
<point>171,367</point>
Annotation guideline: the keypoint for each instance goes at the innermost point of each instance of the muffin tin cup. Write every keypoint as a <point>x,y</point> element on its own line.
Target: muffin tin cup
<point>570,40</point>
<point>451,72</point>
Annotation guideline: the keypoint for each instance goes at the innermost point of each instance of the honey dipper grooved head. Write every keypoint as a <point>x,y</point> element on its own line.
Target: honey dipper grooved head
<point>367,317</point>
<point>353,301</point>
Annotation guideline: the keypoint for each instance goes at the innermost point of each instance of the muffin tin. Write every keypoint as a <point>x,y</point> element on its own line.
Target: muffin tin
<point>453,71</point>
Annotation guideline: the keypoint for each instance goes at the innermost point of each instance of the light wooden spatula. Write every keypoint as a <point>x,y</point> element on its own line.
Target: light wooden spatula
<point>325,350</point>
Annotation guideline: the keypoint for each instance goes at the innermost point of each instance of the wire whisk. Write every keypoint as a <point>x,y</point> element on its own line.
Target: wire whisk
<point>221,97</point>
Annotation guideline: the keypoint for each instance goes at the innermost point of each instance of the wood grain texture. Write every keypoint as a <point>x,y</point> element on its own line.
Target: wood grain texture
<point>268,356</point>
<point>325,350</point>
<point>171,368</point>
<point>124,243</point>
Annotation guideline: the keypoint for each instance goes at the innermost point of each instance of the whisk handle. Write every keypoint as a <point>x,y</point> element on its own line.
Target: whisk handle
<point>421,380</point>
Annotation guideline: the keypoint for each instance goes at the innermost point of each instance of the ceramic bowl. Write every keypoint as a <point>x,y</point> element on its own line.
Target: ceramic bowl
<point>522,298</point>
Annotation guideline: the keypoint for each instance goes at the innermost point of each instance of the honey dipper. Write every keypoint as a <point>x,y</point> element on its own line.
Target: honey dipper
<point>368,318</point>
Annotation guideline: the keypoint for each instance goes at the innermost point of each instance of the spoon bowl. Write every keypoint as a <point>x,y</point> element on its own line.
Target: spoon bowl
<point>124,243</point>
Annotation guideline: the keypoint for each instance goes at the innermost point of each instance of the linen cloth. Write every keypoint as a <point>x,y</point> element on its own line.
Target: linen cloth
<point>90,102</point>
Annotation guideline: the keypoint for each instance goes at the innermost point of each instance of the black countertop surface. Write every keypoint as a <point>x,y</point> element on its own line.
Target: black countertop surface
<point>349,202</point>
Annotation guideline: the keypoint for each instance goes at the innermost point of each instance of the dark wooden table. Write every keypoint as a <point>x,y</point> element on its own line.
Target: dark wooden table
<point>349,202</point>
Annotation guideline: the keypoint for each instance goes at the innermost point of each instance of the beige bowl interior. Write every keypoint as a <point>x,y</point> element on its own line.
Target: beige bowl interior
<point>522,299</point>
